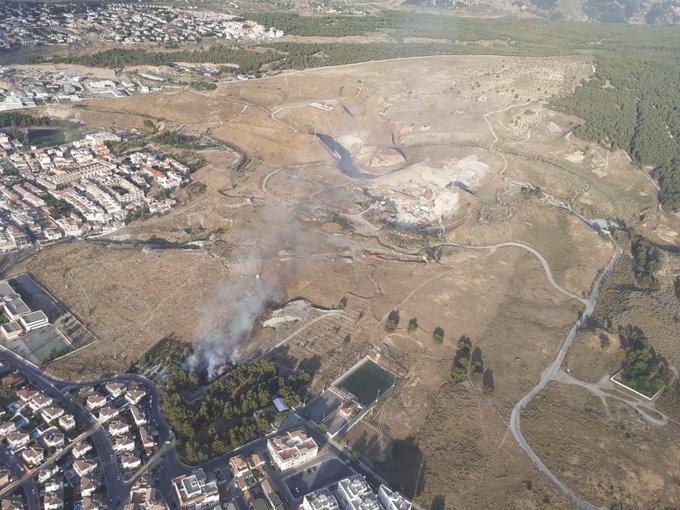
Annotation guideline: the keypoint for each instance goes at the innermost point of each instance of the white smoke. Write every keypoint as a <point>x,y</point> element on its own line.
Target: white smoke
<point>228,317</point>
<point>228,321</point>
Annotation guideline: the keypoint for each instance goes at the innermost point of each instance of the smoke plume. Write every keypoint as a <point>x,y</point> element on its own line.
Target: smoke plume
<point>228,321</point>
<point>255,282</point>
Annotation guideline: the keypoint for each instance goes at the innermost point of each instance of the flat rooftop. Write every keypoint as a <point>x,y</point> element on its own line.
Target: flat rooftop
<point>33,317</point>
<point>17,307</point>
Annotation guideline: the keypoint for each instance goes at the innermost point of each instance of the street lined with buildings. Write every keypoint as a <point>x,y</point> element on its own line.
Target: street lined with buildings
<point>79,189</point>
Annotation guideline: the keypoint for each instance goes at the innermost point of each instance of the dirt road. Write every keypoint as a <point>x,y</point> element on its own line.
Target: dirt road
<point>549,374</point>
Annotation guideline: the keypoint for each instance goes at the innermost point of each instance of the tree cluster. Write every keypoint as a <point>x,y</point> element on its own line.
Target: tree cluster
<point>21,120</point>
<point>176,139</point>
<point>59,208</point>
<point>392,321</point>
<point>644,370</point>
<point>646,260</point>
<point>468,364</point>
<point>234,411</point>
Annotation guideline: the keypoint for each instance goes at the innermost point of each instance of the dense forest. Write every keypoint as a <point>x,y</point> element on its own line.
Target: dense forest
<point>633,103</point>
<point>274,55</point>
<point>235,410</point>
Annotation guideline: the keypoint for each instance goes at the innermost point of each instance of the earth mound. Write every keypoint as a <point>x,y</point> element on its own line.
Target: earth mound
<point>378,160</point>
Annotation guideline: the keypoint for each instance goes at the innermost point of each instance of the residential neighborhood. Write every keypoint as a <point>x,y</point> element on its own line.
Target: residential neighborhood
<point>104,445</point>
<point>124,23</point>
<point>78,190</point>
<point>62,457</point>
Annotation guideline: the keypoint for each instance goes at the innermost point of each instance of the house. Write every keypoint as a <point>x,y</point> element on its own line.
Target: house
<point>392,500</point>
<point>51,413</point>
<point>91,503</point>
<point>354,493</point>
<point>6,291</point>
<point>146,439</point>
<point>81,449</point>
<point>85,391</point>
<point>26,394</point>
<point>15,308</point>
<point>130,462</point>
<point>114,389</point>
<point>18,440</point>
<point>291,449</point>
<point>123,444</point>
<point>46,473</point>
<point>106,413</point>
<point>52,501</point>
<point>11,330</point>
<point>137,416</point>
<point>118,427</point>
<point>603,225</point>
<point>259,504</point>
<point>134,396</point>
<point>67,422</point>
<point>348,409</point>
<point>95,401</point>
<point>238,466</point>
<point>247,497</point>
<point>54,486</point>
<point>39,402</point>
<point>5,476</point>
<point>34,320</point>
<point>271,496</point>
<point>7,428</point>
<point>12,503</point>
<point>53,440</point>
<point>255,461</point>
<point>195,491</point>
<point>87,487</point>
<point>13,380</point>
<point>84,467</point>
<point>144,497</point>
<point>33,456</point>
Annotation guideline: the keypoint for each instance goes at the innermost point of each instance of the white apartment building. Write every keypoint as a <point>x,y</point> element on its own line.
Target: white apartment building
<point>291,449</point>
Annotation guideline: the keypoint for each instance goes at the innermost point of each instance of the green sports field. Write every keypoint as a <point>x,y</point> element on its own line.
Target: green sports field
<point>368,382</point>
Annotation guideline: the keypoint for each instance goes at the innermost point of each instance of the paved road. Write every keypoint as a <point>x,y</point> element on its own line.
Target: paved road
<point>165,462</point>
<point>28,475</point>
<point>548,375</point>
<point>108,464</point>
<point>118,490</point>
<point>28,485</point>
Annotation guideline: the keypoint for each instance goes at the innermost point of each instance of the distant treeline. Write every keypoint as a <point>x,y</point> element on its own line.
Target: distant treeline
<point>274,56</point>
<point>401,24</point>
<point>21,120</point>
<point>324,26</point>
<point>450,35</point>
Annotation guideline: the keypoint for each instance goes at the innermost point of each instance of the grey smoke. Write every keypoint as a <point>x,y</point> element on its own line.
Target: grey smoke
<point>228,316</point>
<point>228,320</point>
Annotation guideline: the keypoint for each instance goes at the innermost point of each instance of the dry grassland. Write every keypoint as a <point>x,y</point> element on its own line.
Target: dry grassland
<point>294,219</point>
<point>616,458</point>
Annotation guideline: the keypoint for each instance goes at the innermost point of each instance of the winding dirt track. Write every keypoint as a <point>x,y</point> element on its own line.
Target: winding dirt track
<point>548,375</point>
